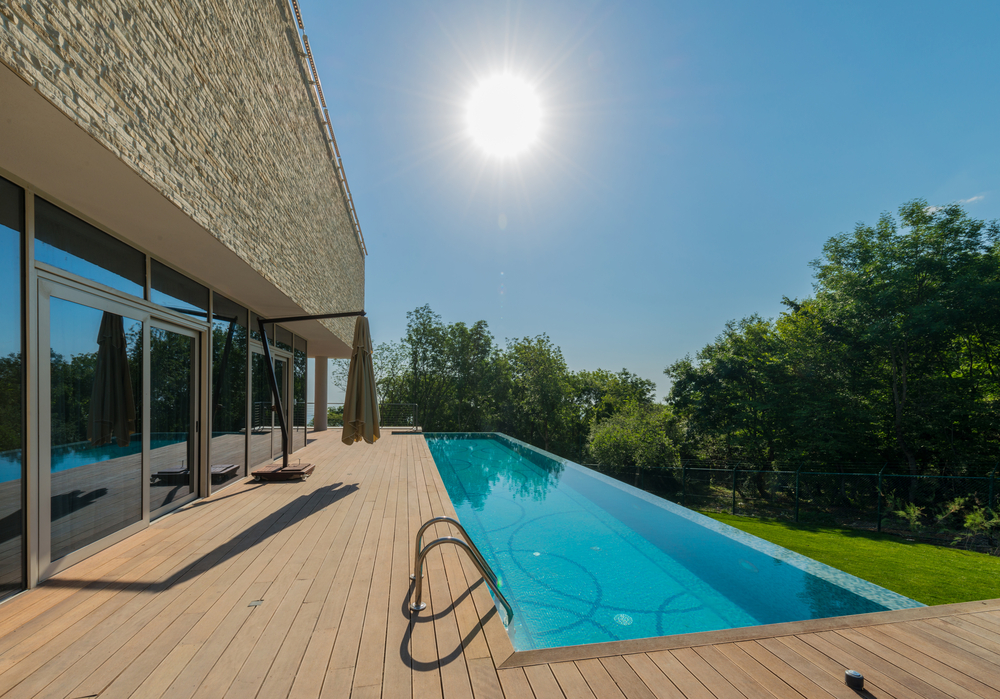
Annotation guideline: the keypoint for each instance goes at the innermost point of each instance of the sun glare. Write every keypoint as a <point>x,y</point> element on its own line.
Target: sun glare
<point>504,115</point>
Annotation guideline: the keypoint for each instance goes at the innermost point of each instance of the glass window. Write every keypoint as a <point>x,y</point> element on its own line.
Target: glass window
<point>95,370</point>
<point>62,240</point>
<point>282,337</point>
<point>173,290</point>
<point>261,415</point>
<point>229,391</point>
<point>299,379</point>
<point>11,390</point>
<point>255,333</point>
<point>173,441</point>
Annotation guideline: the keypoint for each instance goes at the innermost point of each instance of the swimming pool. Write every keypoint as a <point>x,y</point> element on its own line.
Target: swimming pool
<point>583,558</point>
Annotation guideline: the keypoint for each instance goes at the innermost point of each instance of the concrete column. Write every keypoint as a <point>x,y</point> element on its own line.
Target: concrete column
<point>322,380</point>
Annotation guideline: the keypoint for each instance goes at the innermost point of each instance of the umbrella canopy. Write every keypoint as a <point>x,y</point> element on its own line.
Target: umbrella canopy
<point>361,403</point>
<point>112,407</point>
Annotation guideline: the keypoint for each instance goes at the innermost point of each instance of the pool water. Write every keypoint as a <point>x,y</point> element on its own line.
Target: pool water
<point>583,558</point>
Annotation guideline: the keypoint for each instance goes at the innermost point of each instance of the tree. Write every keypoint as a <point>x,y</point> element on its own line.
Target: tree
<point>638,436</point>
<point>917,305</point>
<point>540,388</point>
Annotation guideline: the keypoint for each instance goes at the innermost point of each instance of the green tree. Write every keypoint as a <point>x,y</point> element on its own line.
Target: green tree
<point>917,304</point>
<point>638,436</point>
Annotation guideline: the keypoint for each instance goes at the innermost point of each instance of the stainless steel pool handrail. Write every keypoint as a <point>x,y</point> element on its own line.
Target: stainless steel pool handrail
<point>416,605</point>
<point>419,570</point>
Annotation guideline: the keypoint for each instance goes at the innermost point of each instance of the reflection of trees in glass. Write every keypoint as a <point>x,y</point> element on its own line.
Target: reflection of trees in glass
<point>10,402</point>
<point>229,380</point>
<point>299,395</point>
<point>170,371</point>
<point>72,383</point>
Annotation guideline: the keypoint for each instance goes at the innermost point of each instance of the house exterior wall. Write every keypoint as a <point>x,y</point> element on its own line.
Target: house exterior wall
<point>208,102</point>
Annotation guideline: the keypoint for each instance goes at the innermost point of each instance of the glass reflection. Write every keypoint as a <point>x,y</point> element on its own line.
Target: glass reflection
<point>11,390</point>
<point>260,412</point>
<point>299,391</point>
<point>173,290</point>
<point>95,371</point>
<point>62,240</point>
<point>229,391</point>
<point>171,417</point>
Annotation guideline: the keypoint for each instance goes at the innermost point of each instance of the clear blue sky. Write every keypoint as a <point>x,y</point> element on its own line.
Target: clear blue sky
<point>694,156</point>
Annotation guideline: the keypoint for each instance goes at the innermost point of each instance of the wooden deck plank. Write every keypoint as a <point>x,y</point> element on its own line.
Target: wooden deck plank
<point>961,627</point>
<point>747,686</point>
<point>884,674</point>
<point>571,680</point>
<point>515,684</point>
<point>714,682</point>
<point>757,673</point>
<point>543,683</point>
<point>659,684</point>
<point>797,672</point>
<point>922,659</point>
<point>832,670</point>
<point>955,651</point>
<point>674,669</point>
<point>630,684</point>
<point>602,684</point>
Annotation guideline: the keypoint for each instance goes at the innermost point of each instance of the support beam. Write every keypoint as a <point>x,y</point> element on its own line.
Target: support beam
<point>320,395</point>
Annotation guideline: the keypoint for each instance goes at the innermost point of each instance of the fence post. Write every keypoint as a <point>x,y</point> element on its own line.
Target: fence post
<point>684,473</point>
<point>989,504</point>
<point>797,494</point>
<point>734,489</point>
<point>879,496</point>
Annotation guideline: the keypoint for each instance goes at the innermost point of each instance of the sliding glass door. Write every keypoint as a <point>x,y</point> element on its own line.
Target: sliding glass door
<point>173,416</point>
<point>91,377</point>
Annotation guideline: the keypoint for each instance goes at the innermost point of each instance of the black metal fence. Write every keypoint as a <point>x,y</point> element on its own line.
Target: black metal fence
<point>951,510</point>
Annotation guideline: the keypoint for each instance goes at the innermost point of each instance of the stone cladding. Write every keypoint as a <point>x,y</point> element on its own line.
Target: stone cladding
<point>210,102</point>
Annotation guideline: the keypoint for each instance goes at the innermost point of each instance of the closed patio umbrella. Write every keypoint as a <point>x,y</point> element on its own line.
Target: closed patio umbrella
<point>361,403</point>
<point>112,406</point>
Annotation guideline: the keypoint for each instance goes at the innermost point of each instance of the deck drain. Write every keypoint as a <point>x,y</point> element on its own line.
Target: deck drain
<point>256,603</point>
<point>623,619</point>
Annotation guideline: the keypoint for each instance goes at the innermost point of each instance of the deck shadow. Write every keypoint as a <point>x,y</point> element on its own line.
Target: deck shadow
<point>451,656</point>
<point>290,514</point>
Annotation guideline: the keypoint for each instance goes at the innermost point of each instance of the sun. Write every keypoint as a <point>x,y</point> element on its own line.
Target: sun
<point>504,115</point>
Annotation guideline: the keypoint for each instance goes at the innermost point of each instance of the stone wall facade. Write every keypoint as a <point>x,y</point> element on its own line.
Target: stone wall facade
<point>209,101</point>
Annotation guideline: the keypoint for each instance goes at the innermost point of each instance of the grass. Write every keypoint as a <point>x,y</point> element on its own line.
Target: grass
<point>923,572</point>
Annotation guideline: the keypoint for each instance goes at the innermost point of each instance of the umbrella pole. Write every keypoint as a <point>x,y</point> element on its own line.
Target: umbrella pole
<point>275,394</point>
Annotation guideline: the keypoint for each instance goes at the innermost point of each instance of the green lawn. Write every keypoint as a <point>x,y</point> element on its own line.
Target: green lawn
<point>926,573</point>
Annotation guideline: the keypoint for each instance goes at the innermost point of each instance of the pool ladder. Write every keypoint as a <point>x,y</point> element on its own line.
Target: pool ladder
<point>420,553</point>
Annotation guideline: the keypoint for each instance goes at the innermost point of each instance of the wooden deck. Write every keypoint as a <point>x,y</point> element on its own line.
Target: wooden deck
<point>300,589</point>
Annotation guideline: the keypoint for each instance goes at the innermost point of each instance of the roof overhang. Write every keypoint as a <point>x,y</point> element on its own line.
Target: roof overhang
<point>56,157</point>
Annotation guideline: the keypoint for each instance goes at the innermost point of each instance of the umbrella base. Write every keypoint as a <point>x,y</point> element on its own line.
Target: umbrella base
<point>274,472</point>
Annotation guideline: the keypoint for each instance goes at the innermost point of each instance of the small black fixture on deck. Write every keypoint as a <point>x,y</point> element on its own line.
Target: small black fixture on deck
<point>855,680</point>
<point>285,472</point>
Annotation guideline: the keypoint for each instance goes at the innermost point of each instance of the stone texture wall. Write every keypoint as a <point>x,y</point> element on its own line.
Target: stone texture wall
<point>208,101</point>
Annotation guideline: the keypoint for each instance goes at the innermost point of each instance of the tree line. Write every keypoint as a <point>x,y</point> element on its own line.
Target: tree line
<point>894,359</point>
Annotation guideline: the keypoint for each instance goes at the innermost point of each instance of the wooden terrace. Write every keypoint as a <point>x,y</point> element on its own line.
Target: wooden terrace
<point>300,589</point>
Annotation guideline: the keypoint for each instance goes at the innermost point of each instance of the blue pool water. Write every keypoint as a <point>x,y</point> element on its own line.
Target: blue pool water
<point>583,558</point>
